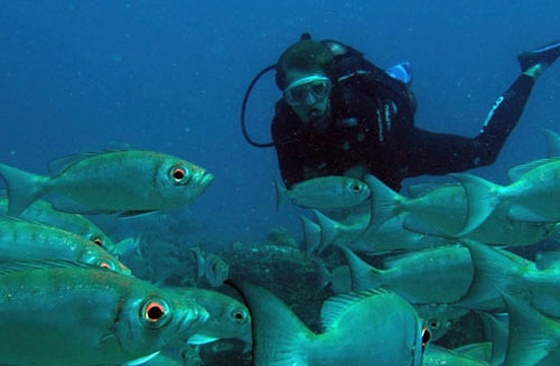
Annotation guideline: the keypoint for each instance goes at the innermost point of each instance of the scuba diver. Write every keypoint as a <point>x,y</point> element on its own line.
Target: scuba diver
<point>342,115</point>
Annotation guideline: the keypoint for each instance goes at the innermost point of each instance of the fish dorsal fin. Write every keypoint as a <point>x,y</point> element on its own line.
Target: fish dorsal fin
<point>516,172</point>
<point>57,166</point>
<point>552,143</point>
<point>17,266</point>
<point>337,306</point>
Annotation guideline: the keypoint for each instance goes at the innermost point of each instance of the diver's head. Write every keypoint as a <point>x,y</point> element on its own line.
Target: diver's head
<point>303,75</point>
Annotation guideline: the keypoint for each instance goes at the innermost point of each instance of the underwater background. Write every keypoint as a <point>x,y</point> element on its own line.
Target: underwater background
<point>78,76</point>
<point>170,76</point>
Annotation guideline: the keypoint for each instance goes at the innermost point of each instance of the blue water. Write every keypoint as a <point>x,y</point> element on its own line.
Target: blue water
<point>170,76</point>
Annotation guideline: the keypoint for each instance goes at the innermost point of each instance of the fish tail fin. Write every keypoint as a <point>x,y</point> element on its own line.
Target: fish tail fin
<point>482,198</point>
<point>312,236</point>
<point>199,260</point>
<point>385,202</point>
<point>364,276</point>
<point>530,333</point>
<point>552,143</point>
<point>328,230</point>
<point>280,338</point>
<point>323,274</point>
<point>494,272</point>
<point>23,188</point>
<point>281,194</point>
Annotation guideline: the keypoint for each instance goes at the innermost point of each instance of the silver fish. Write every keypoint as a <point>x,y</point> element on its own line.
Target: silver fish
<point>529,197</point>
<point>394,334</point>
<point>331,192</point>
<point>443,211</point>
<point>228,318</point>
<point>417,276</point>
<point>210,266</point>
<point>43,212</point>
<point>132,181</point>
<point>389,236</point>
<point>65,314</point>
<point>24,240</point>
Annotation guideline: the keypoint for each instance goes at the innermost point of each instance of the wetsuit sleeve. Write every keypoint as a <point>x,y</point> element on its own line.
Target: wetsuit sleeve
<point>426,152</point>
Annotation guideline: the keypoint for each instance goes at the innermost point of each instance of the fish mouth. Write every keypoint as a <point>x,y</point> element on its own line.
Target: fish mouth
<point>206,179</point>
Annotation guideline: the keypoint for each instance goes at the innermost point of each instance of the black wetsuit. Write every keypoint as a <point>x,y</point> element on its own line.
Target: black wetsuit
<point>372,122</point>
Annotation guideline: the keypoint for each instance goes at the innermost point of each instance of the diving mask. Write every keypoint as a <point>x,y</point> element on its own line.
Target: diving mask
<point>308,91</point>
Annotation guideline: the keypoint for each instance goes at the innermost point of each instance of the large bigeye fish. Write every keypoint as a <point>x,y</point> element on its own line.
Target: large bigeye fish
<point>57,313</point>
<point>130,181</point>
<point>43,212</point>
<point>24,240</point>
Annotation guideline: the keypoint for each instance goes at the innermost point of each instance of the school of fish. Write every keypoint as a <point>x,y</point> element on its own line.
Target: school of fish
<point>66,296</point>
<point>446,250</point>
<point>416,264</point>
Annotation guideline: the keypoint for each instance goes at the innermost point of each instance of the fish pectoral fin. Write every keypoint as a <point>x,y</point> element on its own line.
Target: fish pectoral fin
<point>198,339</point>
<point>141,360</point>
<point>135,214</point>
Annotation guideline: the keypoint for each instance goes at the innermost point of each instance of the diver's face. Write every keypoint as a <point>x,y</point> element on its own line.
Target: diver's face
<point>308,95</point>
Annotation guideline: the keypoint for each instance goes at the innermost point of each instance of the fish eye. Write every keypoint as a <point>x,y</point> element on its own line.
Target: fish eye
<point>356,188</point>
<point>239,316</point>
<point>434,324</point>
<point>180,174</point>
<point>155,313</point>
<point>105,265</point>
<point>97,240</point>
<point>425,336</point>
<point>93,260</point>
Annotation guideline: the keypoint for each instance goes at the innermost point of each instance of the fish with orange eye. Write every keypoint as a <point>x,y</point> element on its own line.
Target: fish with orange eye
<point>42,211</point>
<point>26,240</point>
<point>127,182</point>
<point>63,313</point>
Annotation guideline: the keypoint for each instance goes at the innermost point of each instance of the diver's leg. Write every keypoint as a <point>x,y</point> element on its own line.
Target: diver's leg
<point>507,109</point>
